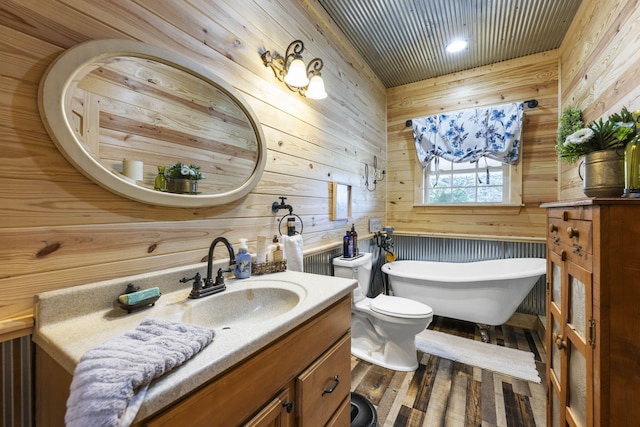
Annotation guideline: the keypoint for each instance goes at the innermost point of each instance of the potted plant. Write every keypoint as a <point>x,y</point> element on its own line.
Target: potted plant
<point>183,179</point>
<point>601,145</point>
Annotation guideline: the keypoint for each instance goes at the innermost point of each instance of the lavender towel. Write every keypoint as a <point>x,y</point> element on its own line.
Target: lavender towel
<point>108,376</point>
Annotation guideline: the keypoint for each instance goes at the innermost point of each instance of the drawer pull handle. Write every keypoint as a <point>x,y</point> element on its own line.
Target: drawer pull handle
<point>572,232</point>
<point>288,406</point>
<point>333,386</point>
<point>552,228</point>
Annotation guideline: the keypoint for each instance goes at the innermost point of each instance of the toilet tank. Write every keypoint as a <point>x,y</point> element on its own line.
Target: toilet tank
<point>359,269</point>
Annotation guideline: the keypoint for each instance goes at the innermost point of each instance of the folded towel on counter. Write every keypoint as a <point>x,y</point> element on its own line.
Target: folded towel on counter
<point>109,383</point>
<point>292,251</point>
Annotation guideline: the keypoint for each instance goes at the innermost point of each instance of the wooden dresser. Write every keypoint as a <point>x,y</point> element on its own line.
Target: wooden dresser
<point>593,312</point>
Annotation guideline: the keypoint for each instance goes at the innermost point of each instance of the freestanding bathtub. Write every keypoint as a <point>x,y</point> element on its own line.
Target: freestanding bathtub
<point>484,292</point>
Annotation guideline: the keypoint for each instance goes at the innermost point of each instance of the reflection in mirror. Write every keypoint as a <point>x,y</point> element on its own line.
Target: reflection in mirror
<point>141,109</point>
<point>154,109</point>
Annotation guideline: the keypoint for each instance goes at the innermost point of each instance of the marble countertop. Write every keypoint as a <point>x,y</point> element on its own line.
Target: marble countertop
<point>71,321</point>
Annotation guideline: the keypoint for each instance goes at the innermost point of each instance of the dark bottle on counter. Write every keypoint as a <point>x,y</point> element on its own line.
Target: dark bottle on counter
<point>354,240</point>
<point>347,246</point>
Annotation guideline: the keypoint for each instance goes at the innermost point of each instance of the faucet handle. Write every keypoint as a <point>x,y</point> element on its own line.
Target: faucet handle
<point>197,281</point>
<point>219,278</point>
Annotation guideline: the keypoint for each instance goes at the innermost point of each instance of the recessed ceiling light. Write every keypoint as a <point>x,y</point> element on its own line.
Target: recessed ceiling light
<point>456,46</point>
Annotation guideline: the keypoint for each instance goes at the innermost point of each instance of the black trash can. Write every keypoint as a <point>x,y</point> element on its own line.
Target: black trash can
<point>363,413</point>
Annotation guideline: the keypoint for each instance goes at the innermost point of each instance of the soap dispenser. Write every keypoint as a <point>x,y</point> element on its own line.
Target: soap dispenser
<point>242,268</point>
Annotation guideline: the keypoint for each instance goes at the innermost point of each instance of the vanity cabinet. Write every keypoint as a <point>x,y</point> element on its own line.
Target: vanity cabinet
<point>593,312</point>
<point>302,378</point>
<point>275,413</point>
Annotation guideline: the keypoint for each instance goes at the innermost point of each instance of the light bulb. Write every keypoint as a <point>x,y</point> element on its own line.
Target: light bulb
<point>456,46</point>
<point>297,73</point>
<point>316,88</point>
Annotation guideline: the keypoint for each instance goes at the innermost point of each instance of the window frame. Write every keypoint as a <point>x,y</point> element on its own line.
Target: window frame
<point>511,203</point>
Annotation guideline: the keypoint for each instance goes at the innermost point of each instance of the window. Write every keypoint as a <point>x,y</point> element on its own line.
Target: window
<point>484,182</point>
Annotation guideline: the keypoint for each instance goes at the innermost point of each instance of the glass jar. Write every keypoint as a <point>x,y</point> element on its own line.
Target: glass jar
<point>160,183</point>
<point>632,169</point>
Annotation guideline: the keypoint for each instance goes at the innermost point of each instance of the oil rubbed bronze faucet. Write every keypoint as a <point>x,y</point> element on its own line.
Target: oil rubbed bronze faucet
<point>211,286</point>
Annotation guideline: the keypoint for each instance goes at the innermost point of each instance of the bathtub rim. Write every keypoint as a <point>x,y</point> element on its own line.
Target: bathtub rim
<point>531,271</point>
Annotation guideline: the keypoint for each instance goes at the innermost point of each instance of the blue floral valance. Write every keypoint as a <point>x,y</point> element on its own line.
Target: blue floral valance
<point>468,135</point>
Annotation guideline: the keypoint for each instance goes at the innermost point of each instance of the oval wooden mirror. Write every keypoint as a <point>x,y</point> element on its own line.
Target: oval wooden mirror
<point>105,101</point>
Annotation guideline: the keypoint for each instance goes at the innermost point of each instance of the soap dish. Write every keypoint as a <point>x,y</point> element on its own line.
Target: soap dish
<point>144,303</point>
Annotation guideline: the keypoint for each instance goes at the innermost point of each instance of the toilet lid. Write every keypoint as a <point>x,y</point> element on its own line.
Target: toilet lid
<point>400,307</point>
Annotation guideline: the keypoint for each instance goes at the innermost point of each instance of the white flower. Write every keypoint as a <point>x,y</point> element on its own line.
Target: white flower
<point>185,170</point>
<point>579,137</point>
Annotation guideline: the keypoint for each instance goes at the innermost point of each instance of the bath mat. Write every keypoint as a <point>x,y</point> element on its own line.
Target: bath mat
<point>503,360</point>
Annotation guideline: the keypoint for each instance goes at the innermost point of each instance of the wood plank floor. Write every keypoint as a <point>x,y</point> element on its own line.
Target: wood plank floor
<point>446,393</point>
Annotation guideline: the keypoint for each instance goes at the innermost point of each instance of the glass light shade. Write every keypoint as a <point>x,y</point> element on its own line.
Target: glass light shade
<point>316,88</point>
<point>297,73</point>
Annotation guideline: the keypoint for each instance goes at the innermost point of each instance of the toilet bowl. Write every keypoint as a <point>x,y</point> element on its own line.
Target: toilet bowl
<point>383,329</point>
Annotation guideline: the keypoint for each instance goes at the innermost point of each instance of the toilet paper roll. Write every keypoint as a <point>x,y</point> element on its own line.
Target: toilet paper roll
<point>132,169</point>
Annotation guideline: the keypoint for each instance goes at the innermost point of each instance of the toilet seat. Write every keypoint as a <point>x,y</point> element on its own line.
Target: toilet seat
<point>400,307</point>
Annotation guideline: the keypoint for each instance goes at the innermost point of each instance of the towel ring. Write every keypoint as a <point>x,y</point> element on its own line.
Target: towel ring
<point>291,215</point>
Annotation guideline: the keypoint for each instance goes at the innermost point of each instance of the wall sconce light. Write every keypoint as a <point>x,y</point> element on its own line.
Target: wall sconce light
<point>378,175</point>
<point>290,69</point>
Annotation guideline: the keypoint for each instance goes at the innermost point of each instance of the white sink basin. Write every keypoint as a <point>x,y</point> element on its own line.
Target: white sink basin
<point>246,301</point>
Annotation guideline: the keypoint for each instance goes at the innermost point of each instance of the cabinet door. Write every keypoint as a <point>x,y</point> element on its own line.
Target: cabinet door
<point>275,414</point>
<point>555,371</point>
<point>342,417</point>
<point>569,343</point>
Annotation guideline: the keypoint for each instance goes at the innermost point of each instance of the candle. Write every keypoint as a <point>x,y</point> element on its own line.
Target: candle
<point>132,169</point>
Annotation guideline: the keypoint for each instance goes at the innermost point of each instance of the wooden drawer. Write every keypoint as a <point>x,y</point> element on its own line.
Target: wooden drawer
<point>574,233</point>
<point>572,253</point>
<point>324,386</point>
<point>567,213</point>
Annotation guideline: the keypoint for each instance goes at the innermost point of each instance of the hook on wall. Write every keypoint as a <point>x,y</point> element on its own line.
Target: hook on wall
<point>378,175</point>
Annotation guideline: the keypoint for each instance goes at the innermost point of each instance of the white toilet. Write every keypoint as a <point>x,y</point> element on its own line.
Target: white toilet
<point>384,328</point>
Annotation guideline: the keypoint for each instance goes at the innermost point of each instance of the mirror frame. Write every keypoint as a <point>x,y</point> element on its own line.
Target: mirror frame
<point>51,102</point>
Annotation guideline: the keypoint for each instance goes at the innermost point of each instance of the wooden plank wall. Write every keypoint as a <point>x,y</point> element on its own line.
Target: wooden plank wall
<point>60,229</point>
<point>599,63</point>
<point>531,77</point>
